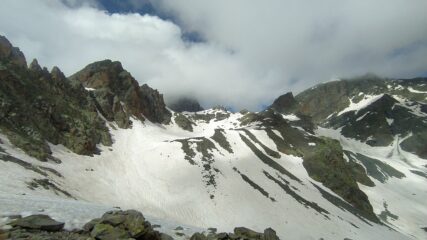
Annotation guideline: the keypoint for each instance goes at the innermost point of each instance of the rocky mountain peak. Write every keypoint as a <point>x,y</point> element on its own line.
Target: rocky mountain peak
<point>185,104</point>
<point>284,103</point>
<point>119,95</point>
<point>10,53</point>
<point>57,74</point>
<point>106,74</point>
<point>34,66</point>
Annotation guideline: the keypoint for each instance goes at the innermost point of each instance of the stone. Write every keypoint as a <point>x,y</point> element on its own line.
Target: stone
<point>247,233</point>
<point>91,224</point>
<point>198,236</point>
<point>222,236</point>
<point>131,220</point>
<point>108,232</point>
<point>39,221</point>
<point>164,236</point>
<point>270,234</point>
<point>179,228</point>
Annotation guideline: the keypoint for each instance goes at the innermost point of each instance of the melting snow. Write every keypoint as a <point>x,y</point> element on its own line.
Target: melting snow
<point>415,91</point>
<point>291,117</point>
<point>366,101</point>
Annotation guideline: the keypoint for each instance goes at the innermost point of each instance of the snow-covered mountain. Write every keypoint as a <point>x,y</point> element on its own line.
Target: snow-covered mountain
<point>342,160</point>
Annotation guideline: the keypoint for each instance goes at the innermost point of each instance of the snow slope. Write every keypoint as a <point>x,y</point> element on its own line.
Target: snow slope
<point>403,197</point>
<point>146,169</point>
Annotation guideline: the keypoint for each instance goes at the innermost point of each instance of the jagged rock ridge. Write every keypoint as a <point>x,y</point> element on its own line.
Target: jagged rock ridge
<point>61,111</point>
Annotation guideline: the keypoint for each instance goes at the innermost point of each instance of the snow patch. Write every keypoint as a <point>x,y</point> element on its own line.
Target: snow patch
<point>415,91</point>
<point>291,117</point>
<point>366,101</point>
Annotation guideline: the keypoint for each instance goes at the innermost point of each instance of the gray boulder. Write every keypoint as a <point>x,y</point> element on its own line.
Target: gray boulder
<point>270,234</point>
<point>247,233</point>
<point>40,222</point>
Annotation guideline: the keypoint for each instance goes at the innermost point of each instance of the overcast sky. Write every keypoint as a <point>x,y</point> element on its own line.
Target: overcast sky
<point>237,53</point>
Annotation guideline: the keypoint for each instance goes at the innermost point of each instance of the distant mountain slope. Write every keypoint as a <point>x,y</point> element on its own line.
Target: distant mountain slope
<point>308,166</point>
<point>370,109</point>
<point>185,104</point>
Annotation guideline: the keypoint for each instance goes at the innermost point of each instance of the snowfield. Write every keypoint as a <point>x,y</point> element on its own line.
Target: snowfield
<point>146,169</point>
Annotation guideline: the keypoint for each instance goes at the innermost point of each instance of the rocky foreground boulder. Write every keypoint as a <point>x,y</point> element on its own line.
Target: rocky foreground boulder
<point>239,233</point>
<point>113,225</point>
<point>40,222</point>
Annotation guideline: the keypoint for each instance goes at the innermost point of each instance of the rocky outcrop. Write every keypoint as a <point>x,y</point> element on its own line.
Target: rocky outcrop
<point>323,159</point>
<point>239,233</point>
<point>185,104</point>
<point>39,222</point>
<point>119,95</point>
<point>37,107</point>
<point>153,105</point>
<point>285,103</point>
<point>121,225</point>
<point>112,225</point>
<point>183,122</point>
<point>326,164</point>
<point>115,225</point>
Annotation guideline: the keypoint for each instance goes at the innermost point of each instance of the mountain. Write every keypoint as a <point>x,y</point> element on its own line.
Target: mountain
<point>185,104</point>
<point>341,160</point>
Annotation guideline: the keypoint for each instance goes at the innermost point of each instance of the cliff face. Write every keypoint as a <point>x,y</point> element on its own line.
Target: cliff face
<point>284,103</point>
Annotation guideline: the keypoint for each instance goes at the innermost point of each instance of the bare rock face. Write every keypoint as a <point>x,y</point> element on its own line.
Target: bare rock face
<point>12,54</point>
<point>119,96</point>
<point>284,103</point>
<point>34,66</point>
<point>153,105</point>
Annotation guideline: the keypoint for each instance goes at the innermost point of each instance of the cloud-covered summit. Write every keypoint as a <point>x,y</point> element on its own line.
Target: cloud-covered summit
<point>252,51</point>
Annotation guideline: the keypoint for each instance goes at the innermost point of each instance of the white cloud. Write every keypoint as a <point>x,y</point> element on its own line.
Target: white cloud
<point>314,40</point>
<point>255,50</point>
<point>149,47</point>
